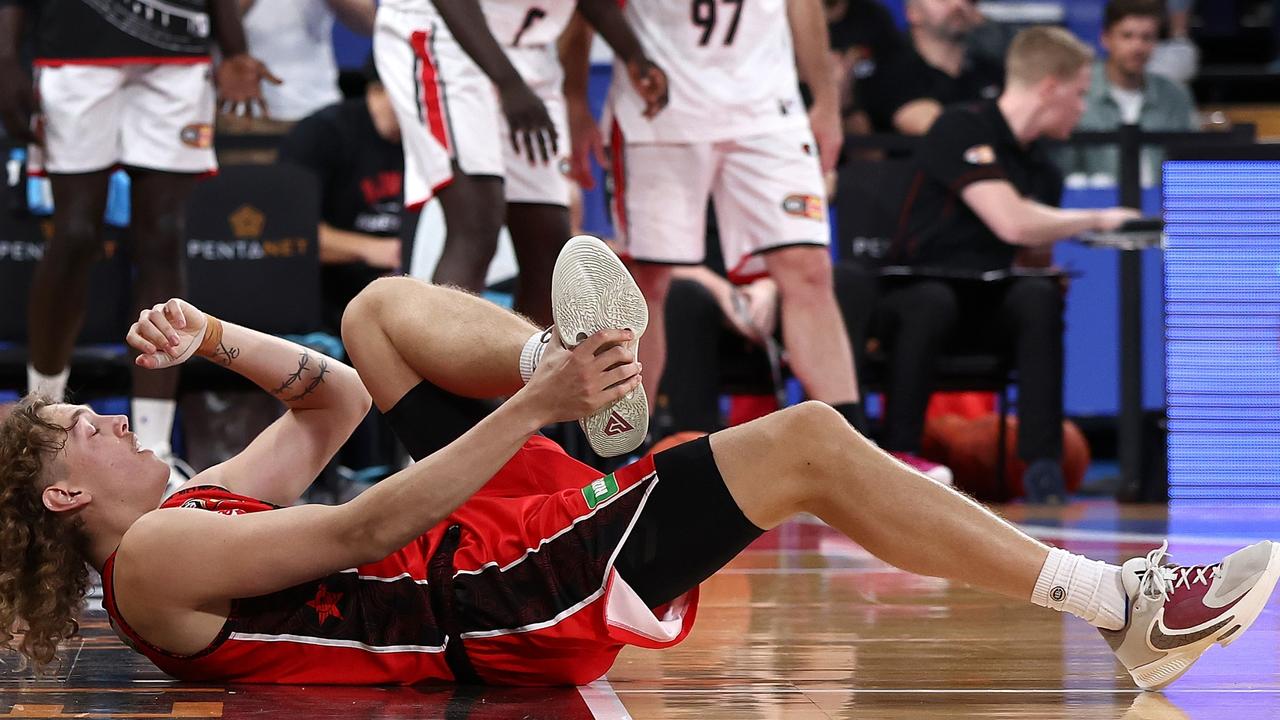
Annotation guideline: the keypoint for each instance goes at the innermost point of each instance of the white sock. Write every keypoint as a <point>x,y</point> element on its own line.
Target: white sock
<point>53,387</point>
<point>1089,589</point>
<point>153,424</point>
<point>531,353</point>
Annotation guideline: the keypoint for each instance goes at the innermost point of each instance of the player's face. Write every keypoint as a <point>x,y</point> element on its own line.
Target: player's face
<point>1065,103</point>
<point>102,454</point>
<point>1130,42</point>
<point>951,19</point>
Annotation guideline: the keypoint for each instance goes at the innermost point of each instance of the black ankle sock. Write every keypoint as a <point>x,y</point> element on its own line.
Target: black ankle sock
<point>854,415</point>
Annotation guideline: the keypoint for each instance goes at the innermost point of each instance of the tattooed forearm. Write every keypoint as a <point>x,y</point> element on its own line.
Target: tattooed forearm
<point>224,355</point>
<point>309,386</point>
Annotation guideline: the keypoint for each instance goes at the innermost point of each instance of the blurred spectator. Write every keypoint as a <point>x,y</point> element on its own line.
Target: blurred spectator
<point>984,190</point>
<point>1123,92</point>
<point>906,91</point>
<point>140,95</point>
<point>862,35</point>
<point>354,150</point>
<point>1176,57</point>
<point>295,39</point>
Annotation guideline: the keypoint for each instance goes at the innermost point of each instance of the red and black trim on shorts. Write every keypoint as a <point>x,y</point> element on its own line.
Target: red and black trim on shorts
<point>429,89</point>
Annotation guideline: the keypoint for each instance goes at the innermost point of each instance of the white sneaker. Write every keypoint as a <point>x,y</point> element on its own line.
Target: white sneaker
<point>591,291</point>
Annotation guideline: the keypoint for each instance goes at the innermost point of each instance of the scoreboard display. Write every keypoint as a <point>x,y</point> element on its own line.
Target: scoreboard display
<point>1222,325</point>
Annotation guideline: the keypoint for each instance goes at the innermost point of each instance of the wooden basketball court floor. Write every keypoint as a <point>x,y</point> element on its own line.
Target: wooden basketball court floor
<point>806,626</point>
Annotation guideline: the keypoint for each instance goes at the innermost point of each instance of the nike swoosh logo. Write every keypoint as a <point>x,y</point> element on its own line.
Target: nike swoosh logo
<point>1160,640</point>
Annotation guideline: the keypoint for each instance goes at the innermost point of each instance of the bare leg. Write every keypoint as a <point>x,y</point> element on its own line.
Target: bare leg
<point>61,280</point>
<point>159,236</point>
<point>538,231</point>
<point>812,327</point>
<point>807,459</point>
<point>654,281</point>
<point>400,330</point>
<point>472,208</point>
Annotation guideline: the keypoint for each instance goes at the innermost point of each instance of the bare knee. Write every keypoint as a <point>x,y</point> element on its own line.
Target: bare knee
<point>367,311</point>
<point>817,441</point>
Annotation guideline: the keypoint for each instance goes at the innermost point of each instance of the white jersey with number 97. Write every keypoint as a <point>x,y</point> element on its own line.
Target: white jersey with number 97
<point>730,65</point>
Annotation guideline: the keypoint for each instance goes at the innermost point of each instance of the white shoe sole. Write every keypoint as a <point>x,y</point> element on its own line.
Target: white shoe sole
<point>591,291</point>
<point>1158,674</point>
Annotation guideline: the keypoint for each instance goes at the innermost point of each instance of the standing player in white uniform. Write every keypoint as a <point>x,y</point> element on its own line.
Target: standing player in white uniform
<point>476,86</point>
<point>735,131</point>
<point>118,84</point>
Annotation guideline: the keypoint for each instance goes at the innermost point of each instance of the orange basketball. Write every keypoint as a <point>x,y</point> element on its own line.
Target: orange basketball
<point>968,447</point>
<point>675,439</point>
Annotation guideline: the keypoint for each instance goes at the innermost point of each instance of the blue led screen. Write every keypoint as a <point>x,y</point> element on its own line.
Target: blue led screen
<point>1222,329</point>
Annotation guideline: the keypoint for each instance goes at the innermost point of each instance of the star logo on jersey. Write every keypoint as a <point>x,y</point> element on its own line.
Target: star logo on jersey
<point>326,604</point>
<point>617,425</point>
<point>247,222</point>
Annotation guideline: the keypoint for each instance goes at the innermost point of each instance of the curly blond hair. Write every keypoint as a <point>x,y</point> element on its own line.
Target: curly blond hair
<point>43,576</point>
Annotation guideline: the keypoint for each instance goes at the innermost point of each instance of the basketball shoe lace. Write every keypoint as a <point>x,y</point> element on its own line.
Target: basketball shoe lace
<point>1158,581</point>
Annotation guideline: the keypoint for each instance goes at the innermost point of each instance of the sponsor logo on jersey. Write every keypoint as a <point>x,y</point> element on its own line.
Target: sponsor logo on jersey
<point>197,135</point>
<point>600,490</point>
<point>805,206</point>
<point>617,425</point>
<point>980,155</point>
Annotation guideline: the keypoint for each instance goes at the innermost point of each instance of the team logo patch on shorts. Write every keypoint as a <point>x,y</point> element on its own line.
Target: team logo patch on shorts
<point>805,206</point>
<point>980,155</point>
<point>197,135</point>
<point>600,490</point>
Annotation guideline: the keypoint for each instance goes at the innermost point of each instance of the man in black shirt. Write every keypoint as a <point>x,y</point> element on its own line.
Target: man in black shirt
<point>906,90</point>
<point>982,195</point>
<point>353,147</point>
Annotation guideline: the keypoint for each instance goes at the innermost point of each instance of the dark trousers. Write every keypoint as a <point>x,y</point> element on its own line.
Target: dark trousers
<point>919,319</point>
<point>705,358</point>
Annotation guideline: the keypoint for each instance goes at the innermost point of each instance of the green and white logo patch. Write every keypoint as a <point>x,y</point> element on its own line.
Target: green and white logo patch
<point>600,490</point>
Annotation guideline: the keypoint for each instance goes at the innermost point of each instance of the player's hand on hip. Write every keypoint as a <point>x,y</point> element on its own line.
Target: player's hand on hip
<point>167,334</point>
<point>572,384</point>
<point>529,123</point>
<point>17,101</point>
<point>827,132</point>
<point>239,81</point>
<point>651,82</point>
<point>585,142</point>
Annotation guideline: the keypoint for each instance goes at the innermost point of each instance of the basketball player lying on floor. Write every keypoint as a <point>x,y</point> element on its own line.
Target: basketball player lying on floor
<point>495,558</point>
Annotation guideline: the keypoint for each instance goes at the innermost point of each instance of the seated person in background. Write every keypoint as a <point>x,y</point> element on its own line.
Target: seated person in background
<point>983,190</point>
<point>353,147</point>
<point>906,90</point>
<point>1124,93</point>
<point>862,34</point>
<point>722,336</point>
